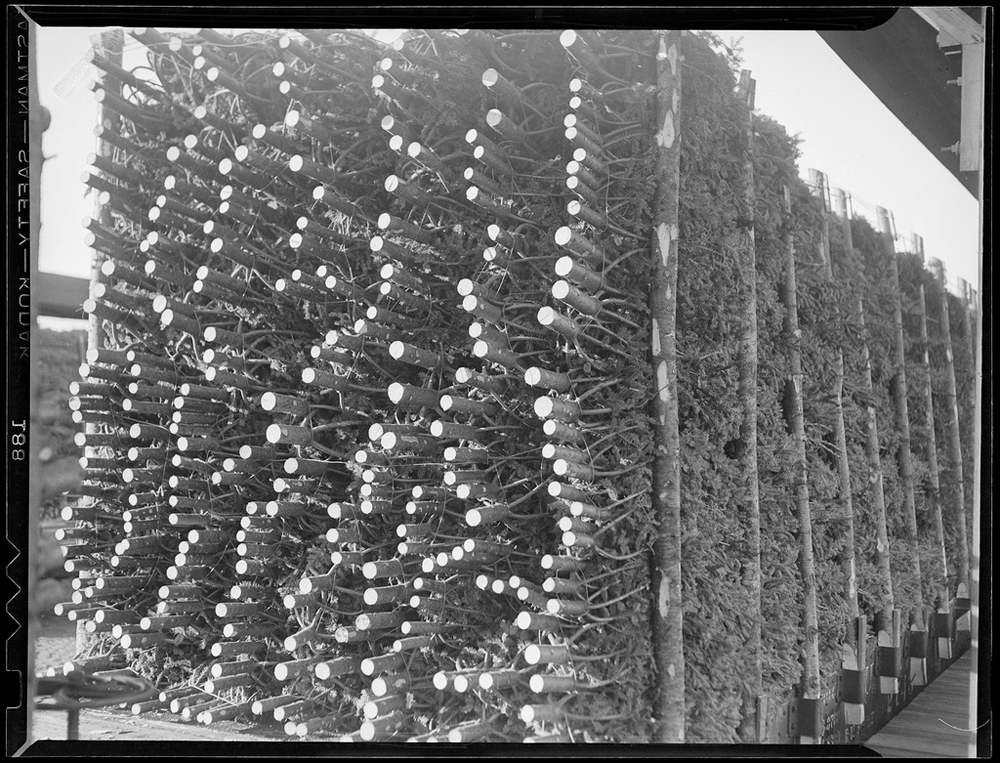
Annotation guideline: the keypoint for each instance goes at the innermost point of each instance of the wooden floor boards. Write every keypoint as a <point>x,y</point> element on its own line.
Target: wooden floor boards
<point>936,723</point>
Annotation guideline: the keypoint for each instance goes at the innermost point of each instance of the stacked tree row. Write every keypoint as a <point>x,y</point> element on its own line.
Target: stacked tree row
<point>370,436</point>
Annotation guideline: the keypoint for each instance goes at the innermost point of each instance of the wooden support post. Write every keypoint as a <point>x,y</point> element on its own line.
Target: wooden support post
<point>969,303</point>
<point>875,474</point>
<point>668,644</point>
<point>933,473</point>
<point>841,207</point>
<point>890,653</point>
<point>861,639</point>
<point>955,464</point>
<point>811,686</point>
<point>872,455</point>
<point>853,665</point>
<point>899,393</point>
<point>944,629</point>
<point>817,182</point>
<point>763,705</point>
<point>750,731</point>
<point>963,612</point>
<point>968,306</point>
<point>917,643</point>
<point>807,720</point>
<point>840,428</point>
<point>854,673</point>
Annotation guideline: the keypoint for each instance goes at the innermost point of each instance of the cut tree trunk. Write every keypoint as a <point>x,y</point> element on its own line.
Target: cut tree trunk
<point>875,476</point>
<point>840,205</point>
<point>807,565</point>
<point>839,426</point>
<point>668,634</point>
<point>899,393</point>
<point>941,571</point>
<point>968,305</point>
<point>751,729</point>
<point>853,651</point>
<point>887,617</point>
<point>954,442</point>
<point>872,455</point>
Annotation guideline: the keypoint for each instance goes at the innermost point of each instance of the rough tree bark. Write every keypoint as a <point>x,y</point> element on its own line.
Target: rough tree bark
<point>840,429</point>
<point>968,333</point>
<point>955,465</point>
<point>840,208</point>
<point>796,420</point>
<point>666,573</point>
<point>968,327</point>
<point>875,477</point>
<point>753,705</point>
<point>853,652</point>
<point>872,454</point>
<point>941,573</point>
<point>899,394</point>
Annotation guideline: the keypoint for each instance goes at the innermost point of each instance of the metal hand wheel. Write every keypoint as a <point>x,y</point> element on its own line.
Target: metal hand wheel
<point>80,690</point>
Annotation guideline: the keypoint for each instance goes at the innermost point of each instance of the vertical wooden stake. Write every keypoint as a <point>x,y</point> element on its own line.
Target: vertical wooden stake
<point>875,475</point>
<point>954,434</point>
<point>968,307</point>
<point>872,452</point>
<point>903,415</point>
<point>918,664</point>
<point>807,565</point>
<point>747,368</point>
<point>861,637</point>
<point>840,428</point>
<point>668,644</point>
<point>969,298</point>
<point>888,684</point>
<point>853,654</point>
<point>841,209</point>
<point>964,622</point>
<point>941,573</point>
<point>871,441</point>
<point>855,658</point>
<point>762,710</point>
<point>817,181</point>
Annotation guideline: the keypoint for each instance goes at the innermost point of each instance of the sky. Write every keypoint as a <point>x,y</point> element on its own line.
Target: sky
<point>845,131</point>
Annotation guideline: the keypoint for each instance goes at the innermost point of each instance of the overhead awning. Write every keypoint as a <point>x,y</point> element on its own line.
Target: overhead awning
<point>926,65</point>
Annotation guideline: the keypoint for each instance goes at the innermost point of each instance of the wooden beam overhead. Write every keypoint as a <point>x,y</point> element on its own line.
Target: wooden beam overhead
<point>973,71</point>
<point>903,64</point>
<point>955,23</point>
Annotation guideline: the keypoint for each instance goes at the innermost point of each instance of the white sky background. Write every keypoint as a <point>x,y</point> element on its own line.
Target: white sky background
<point>846,132</point>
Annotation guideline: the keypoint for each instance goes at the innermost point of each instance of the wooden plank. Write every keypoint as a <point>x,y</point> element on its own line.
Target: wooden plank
<point>921,744</point>
<point>117,725</point>
<point>954,747</point>
<point>954,22</point>
<point>925,733</point>
<point>937,704</point>
<point>969,146</point>
<point>910,752</point>
<point>934,722</point>
<point>921,725</point>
